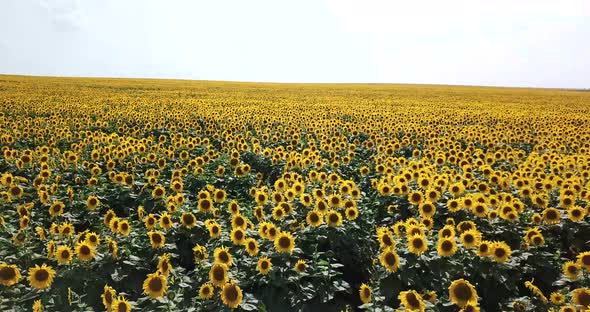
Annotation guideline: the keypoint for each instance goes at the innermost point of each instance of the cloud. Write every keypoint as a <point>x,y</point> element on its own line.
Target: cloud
<point>66,15</point>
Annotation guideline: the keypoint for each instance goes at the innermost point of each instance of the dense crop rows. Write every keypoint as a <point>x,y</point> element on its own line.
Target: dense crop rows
<point>146,195</point>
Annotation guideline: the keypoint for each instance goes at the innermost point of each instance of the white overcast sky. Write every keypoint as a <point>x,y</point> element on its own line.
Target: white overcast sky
<point>507,43</point>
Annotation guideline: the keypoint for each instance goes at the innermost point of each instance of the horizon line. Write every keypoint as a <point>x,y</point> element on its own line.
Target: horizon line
<point>295,83</point>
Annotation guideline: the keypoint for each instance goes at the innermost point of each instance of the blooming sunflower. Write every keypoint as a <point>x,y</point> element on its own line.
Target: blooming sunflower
<point>92,202</point>
<point>314,219</point>
<point>572,270</point>
<point>333,218</point>
<point>365,293</point>
<point>446,246</point>
<point>300,266</point>
<point>583,259</point>
<point>37,306</point>
<point>9,274</point>
<point>206,291</point>
<point>155,285</point>
<point>41,277</point>
<point>150,221</point>
<point>121,305</point>
<point>264,265</point>
<point>108,296</point>
<point>238,236</point>
<point>581,296</point>
<point>251,246</point>
<point>222,256</point>
<point>231,295</point>
<point>218,274</point>
<point>164,265</point>
<point>551,215</point>
<point>557,298</point>
<point>386,239</point>
<point>470,238</point>
<point>411,300</point>
<point>417,244</point>
<point>64,254</point>
<point>501,251</point>
<point>389,260</point>
<point>157,239</point>
<point>85,251</point>
<point>92,239</point>
<point>166,221</point>
<point>461,292</point>
<point>484,248</point>
<point>284,242</point>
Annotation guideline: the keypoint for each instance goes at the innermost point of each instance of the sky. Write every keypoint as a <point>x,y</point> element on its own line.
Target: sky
<point>496,43</point>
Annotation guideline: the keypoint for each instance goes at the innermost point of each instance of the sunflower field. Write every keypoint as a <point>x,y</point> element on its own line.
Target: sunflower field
<point>170,195</point>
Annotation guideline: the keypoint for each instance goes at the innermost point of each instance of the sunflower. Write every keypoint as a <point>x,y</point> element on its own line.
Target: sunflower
<point>426,209</point>
<point>205,205</point>
<point>351,213</point>
<point>214,229</point>
<point>124,227</point>
<point>188,220</point>
<point>222,256</point>
<point>446,231</point>
<point>386,240</point>
<point>415,198</point>
<point>85,251</point>
<point>37,306</point>
<point>411,300</point>
<point>239,222</point>
<point>453,205</point>
<point>300,266</point>
<point>164,265</point>
<point>9,274</point>
<point>56,208</point>
<point>113,248</point>
<point>501,251</point>
<point>231,295</point>
<point>278,213</point>
<point>92,239</point>
<point>314,218</point>
<point>218,274</point>
<point>572,270</point>
<point>581,296</point>
<point>389,260</point>
<point>150,221</point>
<point>417,244</point>
<point>108,296</point>
<point>157,239</point>
<point>333,218</point>
<point>462,292</point>
<point>576,213</point>
<point>484,248</point>
<point>470,307</point>
<point>284,242</point>
<point>238,236</point>
<point>446,246</point>
<point>158,192</point>
<point>557,298</point>
<point>64,254</point>
<point>166,221</point>
<point>568,308</point>
<point>121,305</point>
<point>583,259</point>
<point>551,215</point>
<point>264,265</point>
<point>92,202</point>
<point>365,293</point>
<point>251,246</point>
<point>66,229</point>
<point>206,291</point>
<point>200,253</point>
<point>470,238</point>
<point>155,285</point>
<point>41,277</point>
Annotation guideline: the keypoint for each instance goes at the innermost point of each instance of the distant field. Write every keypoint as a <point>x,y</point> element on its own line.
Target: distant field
<point>177,195</point>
